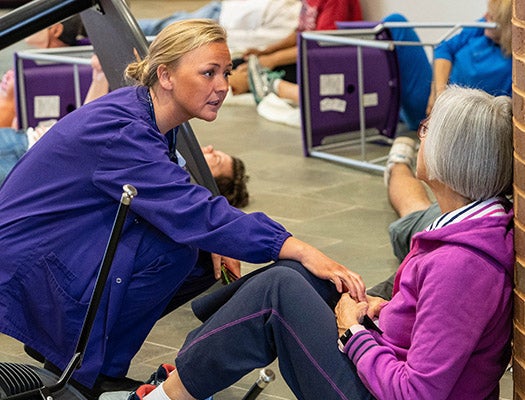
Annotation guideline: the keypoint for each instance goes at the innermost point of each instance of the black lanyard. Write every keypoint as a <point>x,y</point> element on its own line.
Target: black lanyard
<point>171,136</point>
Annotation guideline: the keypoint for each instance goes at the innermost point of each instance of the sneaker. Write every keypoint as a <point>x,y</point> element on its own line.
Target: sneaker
<point>261,79</point>
<point>156,378</point>
<point>403,151</point>
<point>138,394</point>
<point>161,374</point>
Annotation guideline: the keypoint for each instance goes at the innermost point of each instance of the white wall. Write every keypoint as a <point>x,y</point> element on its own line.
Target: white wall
<point>426,10</point>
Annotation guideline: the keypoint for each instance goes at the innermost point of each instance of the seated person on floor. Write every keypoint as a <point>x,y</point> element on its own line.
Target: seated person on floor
<point>452,294</point>
<point>281,56</point>
<point>476,57</point>
<point>248,23</point>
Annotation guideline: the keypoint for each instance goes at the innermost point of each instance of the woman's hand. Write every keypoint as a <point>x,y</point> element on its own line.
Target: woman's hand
<point>230,263</point>
<point>251,51</point>
<point>348,312</point>
<point>375,305</point>
<point>324,267</point>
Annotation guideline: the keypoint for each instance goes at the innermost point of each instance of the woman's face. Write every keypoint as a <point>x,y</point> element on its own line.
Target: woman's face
<point>200,82</point>
<point>220,163</point>
<point>421,169</point>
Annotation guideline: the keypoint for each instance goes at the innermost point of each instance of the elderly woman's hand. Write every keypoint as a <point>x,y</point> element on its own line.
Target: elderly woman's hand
<point>375,305</point>
<point>349,312</point>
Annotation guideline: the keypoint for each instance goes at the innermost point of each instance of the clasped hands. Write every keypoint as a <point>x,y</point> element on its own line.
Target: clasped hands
<point>350,312</point>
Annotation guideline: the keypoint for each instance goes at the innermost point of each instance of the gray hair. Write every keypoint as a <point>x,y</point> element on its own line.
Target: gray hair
<point>468,145</point>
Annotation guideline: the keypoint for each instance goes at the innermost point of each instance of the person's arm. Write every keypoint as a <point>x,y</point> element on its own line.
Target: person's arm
<point>99,84</point>
<point>442,69</point>
<point>444,56</point>
<point>279,58</point>
<point>7,100</point>
<point>285,43</point>
<point>323,267</point>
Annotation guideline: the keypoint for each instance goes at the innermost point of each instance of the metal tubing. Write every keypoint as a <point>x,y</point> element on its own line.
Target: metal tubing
<point>367,165</point>
<point>129,192</point>
<point>378,44</point>
<point>37,15</point>
<point>266,375</point>
<point>57,58</point>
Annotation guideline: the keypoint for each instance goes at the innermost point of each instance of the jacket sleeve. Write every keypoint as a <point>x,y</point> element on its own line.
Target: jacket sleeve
<point>451,317</point>
<point>185,212</point>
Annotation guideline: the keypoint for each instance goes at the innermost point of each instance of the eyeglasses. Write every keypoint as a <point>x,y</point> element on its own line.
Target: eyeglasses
<point>422,129</point>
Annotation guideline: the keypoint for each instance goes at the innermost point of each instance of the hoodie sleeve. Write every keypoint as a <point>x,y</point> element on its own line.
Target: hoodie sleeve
<point>452,314</point>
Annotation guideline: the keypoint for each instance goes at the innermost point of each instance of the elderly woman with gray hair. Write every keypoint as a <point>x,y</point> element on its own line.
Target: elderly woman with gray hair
<point>445,334</point>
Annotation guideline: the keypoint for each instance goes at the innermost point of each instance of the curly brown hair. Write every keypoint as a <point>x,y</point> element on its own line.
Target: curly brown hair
<point>234,188</point>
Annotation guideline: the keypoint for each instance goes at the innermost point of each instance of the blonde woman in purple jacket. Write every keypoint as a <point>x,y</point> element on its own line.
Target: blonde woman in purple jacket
<point>445,334</point>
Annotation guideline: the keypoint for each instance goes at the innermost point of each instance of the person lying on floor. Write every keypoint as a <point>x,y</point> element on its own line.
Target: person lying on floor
<point>446,332</point>
<point>229,172</point>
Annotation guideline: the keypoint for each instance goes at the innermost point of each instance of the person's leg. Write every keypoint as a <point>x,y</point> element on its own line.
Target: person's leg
<point>244,72</point>
<point>160,282</point>
<point>152,27</point>
<point>200,279</point>
<point>287,90</point>
<point>277,313</point>
<point>383,289</point>
<point>407,195</point>
<point>405,192</point>
<point>402,230</point>
<point>415,73</point>
<point>239,80</point>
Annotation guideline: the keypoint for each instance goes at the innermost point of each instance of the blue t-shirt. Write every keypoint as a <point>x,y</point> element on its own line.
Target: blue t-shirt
<point>477,62</point>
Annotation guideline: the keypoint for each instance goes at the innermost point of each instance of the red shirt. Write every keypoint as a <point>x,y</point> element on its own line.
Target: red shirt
<point>323,14</point>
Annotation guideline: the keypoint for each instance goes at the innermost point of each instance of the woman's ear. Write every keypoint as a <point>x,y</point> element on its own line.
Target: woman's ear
<point>56,30</point>
<point>165,77</point>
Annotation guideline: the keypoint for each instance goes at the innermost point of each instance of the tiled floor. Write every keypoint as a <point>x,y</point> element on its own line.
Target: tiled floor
<point>342,211</point>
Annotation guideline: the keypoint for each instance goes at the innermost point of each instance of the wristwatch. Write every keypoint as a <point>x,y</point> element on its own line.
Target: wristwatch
<point>343,340</point>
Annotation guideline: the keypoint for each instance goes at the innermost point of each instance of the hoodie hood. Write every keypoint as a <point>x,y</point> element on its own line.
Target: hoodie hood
<point>490,237</point>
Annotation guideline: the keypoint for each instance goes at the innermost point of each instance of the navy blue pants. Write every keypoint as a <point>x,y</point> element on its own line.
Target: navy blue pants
<point>281,311</point>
